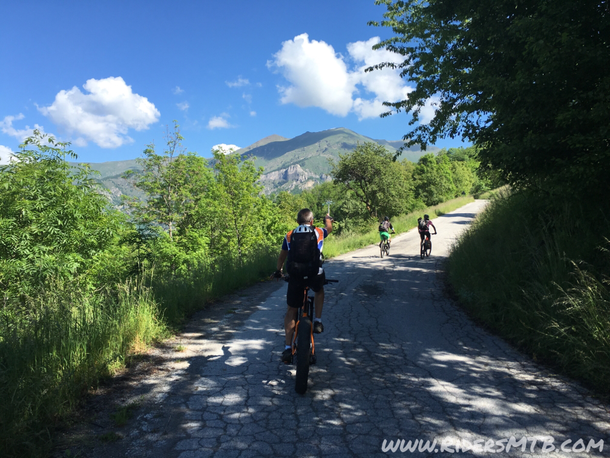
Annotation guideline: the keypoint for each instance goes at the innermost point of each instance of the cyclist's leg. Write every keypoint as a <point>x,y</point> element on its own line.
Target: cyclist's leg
<point>294,298</point>
<point>317,286</point>
<point>289,323</point>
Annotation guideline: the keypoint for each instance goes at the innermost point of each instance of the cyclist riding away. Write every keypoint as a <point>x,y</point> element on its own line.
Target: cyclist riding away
<point>384,230</point>
<point>423,226</point>
<point>303,249</point>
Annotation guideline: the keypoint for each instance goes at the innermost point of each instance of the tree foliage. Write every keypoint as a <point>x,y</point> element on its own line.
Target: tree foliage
<point>526,81</point>
<point>54,218</point>
<point>378,183</point>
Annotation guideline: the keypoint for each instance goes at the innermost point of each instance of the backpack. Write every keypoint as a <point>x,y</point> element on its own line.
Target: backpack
<point>384,227</point>
<point>423,226</point>
<point>304,254</point>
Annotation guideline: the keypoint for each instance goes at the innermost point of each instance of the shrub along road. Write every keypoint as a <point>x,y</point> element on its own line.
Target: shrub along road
<point>397,360</point>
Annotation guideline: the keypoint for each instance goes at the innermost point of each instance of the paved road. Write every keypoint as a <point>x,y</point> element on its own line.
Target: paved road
<point>397,361</point>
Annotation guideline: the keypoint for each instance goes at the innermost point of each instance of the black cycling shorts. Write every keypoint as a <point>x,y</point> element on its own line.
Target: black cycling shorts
<point>294,296</point>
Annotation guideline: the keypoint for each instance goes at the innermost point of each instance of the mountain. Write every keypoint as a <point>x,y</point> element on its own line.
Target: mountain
<point>301,162</point>
<point>290,164</point>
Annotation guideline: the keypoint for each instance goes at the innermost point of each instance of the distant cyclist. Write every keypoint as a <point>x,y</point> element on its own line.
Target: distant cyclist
<point>423,226</point>
<point>384,230</point>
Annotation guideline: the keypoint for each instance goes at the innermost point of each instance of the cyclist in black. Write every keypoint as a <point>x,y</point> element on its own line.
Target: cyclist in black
<point>424,227</point>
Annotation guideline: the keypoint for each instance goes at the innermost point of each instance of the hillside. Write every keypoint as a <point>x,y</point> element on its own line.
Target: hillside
<point>290,164</point>
<point>301,162</point>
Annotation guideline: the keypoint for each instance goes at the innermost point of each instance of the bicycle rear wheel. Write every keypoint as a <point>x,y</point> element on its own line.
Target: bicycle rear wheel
<point>303,353</point>
<point>387,248</point>
<point>428,247</point>
<point>381,249</point>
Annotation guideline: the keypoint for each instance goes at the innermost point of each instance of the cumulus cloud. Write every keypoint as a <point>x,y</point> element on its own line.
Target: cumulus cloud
<point>320,77</point>
<point>183,106</point>
<point>177,90</point>
<point>219,122</point>
<point>5,154</point>
<point>103,114</point>
<point>317,75</point>
<point>6,125</point>
<point>253,113</point>
<point>225,149</point>
<point>240,82</point>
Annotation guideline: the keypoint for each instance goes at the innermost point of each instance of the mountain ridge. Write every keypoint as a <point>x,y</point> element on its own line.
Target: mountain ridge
<point>290,164</point>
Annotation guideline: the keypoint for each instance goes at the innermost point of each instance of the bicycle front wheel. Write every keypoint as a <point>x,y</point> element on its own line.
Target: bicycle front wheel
<point>303,353</point>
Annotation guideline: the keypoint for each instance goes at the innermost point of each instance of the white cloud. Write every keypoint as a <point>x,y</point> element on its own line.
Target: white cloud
<point>5,154</point>
<point>225,149</point>
<point>240,82</point>
<point>219,122</point>
<point>6,125</point>
<point>247,97</point>
<point>320,77</point>
<point>177,90</point>
<point>104,114</point>
<point>317,75</point>
<point>183,106</point>
<point>253,113</point>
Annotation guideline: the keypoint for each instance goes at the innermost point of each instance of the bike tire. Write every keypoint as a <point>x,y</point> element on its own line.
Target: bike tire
<point>428,248</point>
<point>303,354</point>
<point>422,250</point>
<point>381,250</point>
<point>387,249</point>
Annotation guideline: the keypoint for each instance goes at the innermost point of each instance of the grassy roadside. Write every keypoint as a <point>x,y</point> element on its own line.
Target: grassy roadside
<point>536,272</point>
<point>335,246</point>
<point>70,340</point>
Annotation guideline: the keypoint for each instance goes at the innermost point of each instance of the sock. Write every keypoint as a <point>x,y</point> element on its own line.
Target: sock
<point>286,347</point>
<point>319,320</point>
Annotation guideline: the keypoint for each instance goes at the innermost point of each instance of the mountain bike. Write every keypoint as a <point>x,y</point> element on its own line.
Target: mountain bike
<point>303,345</point>
<point>384,247</point>
<point>426,246</point>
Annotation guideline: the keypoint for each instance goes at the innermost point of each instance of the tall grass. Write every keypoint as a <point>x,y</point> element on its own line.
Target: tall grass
<point>64,344</point>
<point>532,270</point>
<point>182,296</point>
<point>346,242</point>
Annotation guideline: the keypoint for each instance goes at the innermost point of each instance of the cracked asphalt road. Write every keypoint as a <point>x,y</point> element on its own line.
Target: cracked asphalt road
<point>397,360</point>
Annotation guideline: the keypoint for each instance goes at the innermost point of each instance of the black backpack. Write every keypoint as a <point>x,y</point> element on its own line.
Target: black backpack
<point>384,226</point>
<point>423,226</point>
<point>304,254</point>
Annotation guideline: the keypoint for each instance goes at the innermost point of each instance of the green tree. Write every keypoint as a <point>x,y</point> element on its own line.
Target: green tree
<point>377,182</point>
<point>526,81</point>
<point>434,179</point>
<point>54,218</point>
<point>175,216</point>
<point>245,220</point>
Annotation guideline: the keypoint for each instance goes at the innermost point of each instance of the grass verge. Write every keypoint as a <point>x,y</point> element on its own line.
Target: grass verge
<point>536,272</point>
<point>60,348</point>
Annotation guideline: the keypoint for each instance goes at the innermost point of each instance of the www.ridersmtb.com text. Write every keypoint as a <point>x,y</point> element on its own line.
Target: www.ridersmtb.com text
<point>450,445</point>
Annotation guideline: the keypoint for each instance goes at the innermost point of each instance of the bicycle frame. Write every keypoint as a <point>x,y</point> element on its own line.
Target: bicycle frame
<point>304,348</point>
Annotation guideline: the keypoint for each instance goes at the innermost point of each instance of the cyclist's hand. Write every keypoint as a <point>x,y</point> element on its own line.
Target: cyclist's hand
<point>327,216</point>
<point>277,274</point>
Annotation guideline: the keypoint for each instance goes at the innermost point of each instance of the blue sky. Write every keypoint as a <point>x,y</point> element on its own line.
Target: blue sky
<point>110,76</point>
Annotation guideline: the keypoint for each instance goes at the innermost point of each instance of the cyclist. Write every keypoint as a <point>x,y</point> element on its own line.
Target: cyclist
<point>384,230</point>
<point>423,226</point>
<point>296,284</point>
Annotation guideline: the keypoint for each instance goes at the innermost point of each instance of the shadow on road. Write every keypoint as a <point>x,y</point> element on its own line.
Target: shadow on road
<point>396,360</point>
